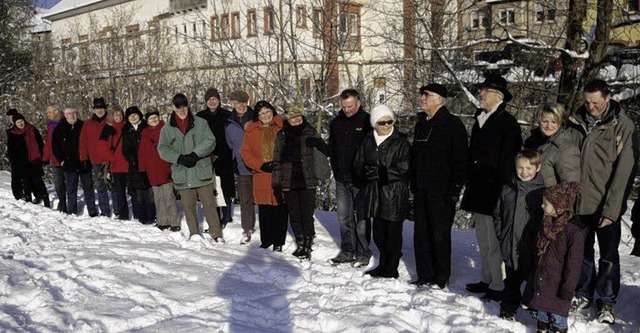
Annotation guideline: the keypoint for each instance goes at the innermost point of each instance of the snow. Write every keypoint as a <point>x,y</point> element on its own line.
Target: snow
<point>65,273</point>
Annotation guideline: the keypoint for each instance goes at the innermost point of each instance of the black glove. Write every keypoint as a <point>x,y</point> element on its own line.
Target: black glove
<point>317,143</point>
<point>371,172</point>
<point>267,167</point>
<point>277,192</point>
<point>188,160</point>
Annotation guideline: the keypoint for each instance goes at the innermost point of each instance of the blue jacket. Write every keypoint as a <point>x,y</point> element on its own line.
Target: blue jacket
<point>234,133</point>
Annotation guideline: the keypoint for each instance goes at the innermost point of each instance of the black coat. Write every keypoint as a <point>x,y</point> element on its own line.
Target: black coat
<point>493,149</point>
<point>130,145</point>
<point>65,146</point>
<point>19,155</point>
<point>293,166</point>
<point>439,155</point>
<point>345,136</point>
<point>223,163</point>
<point>387,198</point>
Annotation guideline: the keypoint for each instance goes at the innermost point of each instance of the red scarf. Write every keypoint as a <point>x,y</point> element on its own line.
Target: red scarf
<point>551,227</point>
<point>183,124</point>
<point>33,149</point>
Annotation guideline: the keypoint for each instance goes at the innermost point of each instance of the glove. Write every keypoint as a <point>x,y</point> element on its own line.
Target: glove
<point>188,160</point>
<point>313,142</point>
<point>277,192</point>
<point>267,167</point>
<point>371,172</point>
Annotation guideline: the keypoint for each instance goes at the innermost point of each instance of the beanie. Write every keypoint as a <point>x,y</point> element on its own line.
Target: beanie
<point>131,110</point>
<point>293,110</point>
<point>150,111</point>
<point>380,111</point>
<point>211,92</point>
<point>239,96</point>
<point>17,117</point>
<point>562,196</point>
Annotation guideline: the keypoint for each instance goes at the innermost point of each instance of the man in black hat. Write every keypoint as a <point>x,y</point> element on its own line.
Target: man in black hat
<point>495,140</point>
<point>438,172</point>
<point>217,116</point>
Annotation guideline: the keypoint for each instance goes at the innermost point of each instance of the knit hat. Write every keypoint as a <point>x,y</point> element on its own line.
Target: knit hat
<point>99,103</point>
<point>435,88</point>
<point>239,96</point>
<point>380,111</point>
<point>131,110</point>
<point>12,112</point>
<point>150,111</point>
<point>211,92</point>
<point>294,110</point>
<point>563,195</point>
<point>17,117</point>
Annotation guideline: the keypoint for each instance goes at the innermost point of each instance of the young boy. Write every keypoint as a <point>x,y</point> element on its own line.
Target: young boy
<point>516,221</point>
<point>560,248</point>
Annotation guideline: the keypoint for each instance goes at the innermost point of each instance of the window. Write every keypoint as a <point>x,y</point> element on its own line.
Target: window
<point>633,5</point>
<point>539,13</point>
<point>544,12</point>
<point>215,29</point>
<point>235,25</point>
<point>305,85</point>
<point>252,23</point>
<point>83,38</point>
<point>551,13</point>
<point>184,33</point>
<point>224,26</point>
<point>317,22</point>
<point>349,27</point>
<point>269,20</point>
<point>475,21</point>
<point>65,41</point>
<point>507,17</point>
<point>132,28</point>
<point>106,32</point>
<point>301,16</point>
<point>203,25</point>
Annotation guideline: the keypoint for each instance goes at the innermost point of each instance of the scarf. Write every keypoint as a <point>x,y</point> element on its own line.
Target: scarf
<point>268,142</point>
<point>33,150</point>
<point>551,227</point>
<point>183,124</point>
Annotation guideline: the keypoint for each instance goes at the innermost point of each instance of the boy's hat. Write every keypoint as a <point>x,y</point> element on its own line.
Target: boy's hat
<point>563,195</point>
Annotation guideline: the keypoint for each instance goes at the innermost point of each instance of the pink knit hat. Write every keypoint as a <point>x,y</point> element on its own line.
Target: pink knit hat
<point>562,196</point>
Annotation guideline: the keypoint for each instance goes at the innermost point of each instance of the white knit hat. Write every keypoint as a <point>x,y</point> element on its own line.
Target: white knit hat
<point>380,111</point>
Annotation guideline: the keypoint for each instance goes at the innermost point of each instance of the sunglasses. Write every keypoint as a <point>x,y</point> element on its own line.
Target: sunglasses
<point>382,123</point>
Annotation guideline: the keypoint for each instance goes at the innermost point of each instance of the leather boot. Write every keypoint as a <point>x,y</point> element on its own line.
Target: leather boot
<point>46,201</point>
<point>300,248</point>
<point>542,327</point>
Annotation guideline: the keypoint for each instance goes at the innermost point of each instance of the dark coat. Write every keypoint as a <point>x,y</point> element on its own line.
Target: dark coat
<point>439,155</point>
<point>222,154</point>
<point>131,136</point>
<point>345,136</point>
<point>387,198</point>
<point>19,155</point>
<point>66,146</point>
<point>234,134</point>
<point>493,149</point>
<point>553,286</point>
<point>517,219</point>
<point>292,159</point>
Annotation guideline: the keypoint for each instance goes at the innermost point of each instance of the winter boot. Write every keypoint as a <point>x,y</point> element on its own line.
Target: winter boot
<point>542,327</point>
<point>47,202</point>
<point>305,254</point>
<point>298,250</point>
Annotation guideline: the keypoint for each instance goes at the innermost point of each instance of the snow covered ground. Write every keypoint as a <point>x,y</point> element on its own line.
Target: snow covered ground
<point>65,273</point>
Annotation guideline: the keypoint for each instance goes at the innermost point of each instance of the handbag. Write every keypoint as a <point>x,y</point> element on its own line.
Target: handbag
<point>321,166</point>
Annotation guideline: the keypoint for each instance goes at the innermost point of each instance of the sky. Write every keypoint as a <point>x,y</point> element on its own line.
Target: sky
<point>61,273</point>
<point>45,3</point>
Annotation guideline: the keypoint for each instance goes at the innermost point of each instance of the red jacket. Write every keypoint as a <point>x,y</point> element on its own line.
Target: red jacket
<point>90,149</point>
<point>149,161</point>
<point>118,163</point>
<point>47,156</point>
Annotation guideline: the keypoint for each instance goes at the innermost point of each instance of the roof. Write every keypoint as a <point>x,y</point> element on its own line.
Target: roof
<point>69,8</point>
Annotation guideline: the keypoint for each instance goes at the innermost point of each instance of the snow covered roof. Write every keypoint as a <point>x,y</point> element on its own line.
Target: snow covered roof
<point>39,23</point>
<point>67,8</point>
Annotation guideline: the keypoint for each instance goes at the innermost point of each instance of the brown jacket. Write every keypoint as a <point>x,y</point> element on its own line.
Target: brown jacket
<point>251,152</point>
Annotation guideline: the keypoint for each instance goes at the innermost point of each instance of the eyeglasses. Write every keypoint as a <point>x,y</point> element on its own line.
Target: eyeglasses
<point>382,123</point>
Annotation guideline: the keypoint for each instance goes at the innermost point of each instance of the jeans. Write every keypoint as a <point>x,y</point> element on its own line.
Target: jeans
<point>71,179</point>
<point>59,185</point>
<point>355,229</point>
<point>101,188</point>
<point>556,321</point>
<point>606,282</point>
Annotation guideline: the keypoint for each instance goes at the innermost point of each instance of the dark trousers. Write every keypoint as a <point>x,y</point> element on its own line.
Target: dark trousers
<point>606,282</point>
<point>34,183</point>
<point>432,237</point>
<point>355,229</point>
<point>511,296</point>
<point>61,188</point>
<point>301,204</point>
<point>17,188</point>
<point>225,213</point>
<point>273,224</point>
<point>71,179</point>
<point>119,195</point>
<point>143,206</point>
<point>388,238</point>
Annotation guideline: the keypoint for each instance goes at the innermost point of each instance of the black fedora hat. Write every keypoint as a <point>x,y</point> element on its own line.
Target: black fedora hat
<point>99,103</point>
<point>497,82</point>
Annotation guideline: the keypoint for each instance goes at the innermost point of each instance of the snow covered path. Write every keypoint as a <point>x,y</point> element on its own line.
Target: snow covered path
<point>64,273</point>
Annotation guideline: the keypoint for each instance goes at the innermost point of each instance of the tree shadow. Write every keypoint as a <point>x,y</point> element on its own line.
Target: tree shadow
<point>256,287</point>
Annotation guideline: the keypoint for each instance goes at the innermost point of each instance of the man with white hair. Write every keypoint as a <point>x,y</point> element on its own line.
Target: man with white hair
<point>438,172</point>
<point>495,140</point>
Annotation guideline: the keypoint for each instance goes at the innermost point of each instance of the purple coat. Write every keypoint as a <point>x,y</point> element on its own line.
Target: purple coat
<point>556,278</point>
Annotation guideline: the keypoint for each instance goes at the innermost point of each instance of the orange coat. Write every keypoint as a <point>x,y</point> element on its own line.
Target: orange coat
<point>251,153</point>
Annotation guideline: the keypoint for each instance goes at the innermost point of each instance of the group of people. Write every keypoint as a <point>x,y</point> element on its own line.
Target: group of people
<point>537,206</point>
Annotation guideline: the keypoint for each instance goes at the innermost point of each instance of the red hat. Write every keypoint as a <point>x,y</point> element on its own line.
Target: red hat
<point>563,195</point>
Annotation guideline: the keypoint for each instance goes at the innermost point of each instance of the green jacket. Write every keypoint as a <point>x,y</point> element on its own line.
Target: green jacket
<point>198,139</point>
<point>606,161</point>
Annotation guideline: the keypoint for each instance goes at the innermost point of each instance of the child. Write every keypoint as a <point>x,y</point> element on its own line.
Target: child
<point>516,221</point>
<point>560,245</point>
